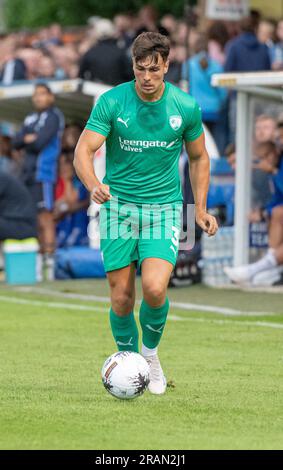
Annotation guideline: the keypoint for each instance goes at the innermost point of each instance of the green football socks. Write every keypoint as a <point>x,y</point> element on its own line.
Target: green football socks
<point>153,321</point>
<point>125,331</point>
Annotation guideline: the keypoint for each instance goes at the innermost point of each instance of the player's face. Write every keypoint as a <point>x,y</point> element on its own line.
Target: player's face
<point>150,74</point>
<point>42,99</point>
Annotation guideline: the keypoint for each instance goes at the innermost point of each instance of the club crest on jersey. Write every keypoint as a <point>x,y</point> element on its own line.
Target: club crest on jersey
<point>175,122</point>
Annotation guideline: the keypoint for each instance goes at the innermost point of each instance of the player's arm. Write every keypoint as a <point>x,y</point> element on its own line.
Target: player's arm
<point>89,142</point>
<point>199,176</point>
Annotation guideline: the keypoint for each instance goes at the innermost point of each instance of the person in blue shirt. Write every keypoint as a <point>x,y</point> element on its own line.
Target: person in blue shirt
<point>40,140</point>
<point>277,49</point>
<point>198,71</point>
<point>272,262</point>
<point>244,54</point>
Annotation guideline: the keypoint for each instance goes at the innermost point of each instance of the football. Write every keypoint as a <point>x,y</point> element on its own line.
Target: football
<point>125,375</point>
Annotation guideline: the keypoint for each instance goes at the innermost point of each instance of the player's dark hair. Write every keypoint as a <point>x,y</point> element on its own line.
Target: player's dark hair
<point>150,45</point>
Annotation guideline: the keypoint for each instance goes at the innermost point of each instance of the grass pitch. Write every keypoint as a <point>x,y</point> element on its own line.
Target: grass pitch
<point>225,373</point>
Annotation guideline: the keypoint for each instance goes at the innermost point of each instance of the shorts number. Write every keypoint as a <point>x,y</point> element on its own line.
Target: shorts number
<point>175,240</point>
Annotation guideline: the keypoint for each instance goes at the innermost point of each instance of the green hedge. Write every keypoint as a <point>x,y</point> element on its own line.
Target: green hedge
<point>36,13</point>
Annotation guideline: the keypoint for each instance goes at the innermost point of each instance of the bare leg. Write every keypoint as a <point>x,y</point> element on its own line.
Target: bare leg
<point>122,289</point>
<point>156,273</point>
<point>46,227</point>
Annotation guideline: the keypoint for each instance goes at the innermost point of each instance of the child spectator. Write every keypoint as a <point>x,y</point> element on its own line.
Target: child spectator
<point>272,262</point>
<point>71,202</point>
<point>277,49</point>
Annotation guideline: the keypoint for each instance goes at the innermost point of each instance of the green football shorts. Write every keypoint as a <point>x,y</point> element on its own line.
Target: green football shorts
<point>130,233</point>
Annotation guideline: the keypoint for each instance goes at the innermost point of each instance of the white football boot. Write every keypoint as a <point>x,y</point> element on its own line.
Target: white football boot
<point>157,381</point>
<point>240,274</point>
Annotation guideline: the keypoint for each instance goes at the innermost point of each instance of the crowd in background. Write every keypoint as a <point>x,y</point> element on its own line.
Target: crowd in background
<point>101,52</point>
<point>52,52</point>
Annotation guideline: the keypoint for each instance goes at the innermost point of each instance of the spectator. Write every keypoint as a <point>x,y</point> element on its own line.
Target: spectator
<point>256,17</point>
<point>125,31</point>
<point>169,23</point>
<point>49,36</point>
<point>277,49</point>
<point>31,57</point>
<point>72,200</point>
<point>87,42</point>
<point>17,211</point>
<point>177,56</point>
<point>279,139</point>
<point>194,37</point>
<point>245,53</point>
<point>40,138</point>
<point>265,129</point>
<point>63,62</point>
<point>125,35</point>
<point>264,143</point>
<point>46,67</point>
<point>218,37</point>
<point>55,34</point>
<point>266,33</point>
<point>147,18</point>
<point>198,71</point>
<point>261,185</point>
<point>6,163</point>
<point>12,67</point>
<point>41,40</point>
<point>271,263</point>
<point>70,138</point>
<point>181,33</point>
<point>105,62</point>
<point>230,153</point>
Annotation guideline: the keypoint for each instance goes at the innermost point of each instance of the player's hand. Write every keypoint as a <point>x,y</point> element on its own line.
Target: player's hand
<point>101,193</point>
<point>207,222</point>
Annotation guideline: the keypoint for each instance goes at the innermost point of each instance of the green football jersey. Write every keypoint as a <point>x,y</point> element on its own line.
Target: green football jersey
<point>144,141</point>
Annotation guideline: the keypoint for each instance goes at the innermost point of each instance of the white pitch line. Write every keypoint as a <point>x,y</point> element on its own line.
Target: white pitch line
<point>38,303</point>
<point>216,309</point>
<point>179,305</point>
<point>229,322</point>
<point>64,295</point>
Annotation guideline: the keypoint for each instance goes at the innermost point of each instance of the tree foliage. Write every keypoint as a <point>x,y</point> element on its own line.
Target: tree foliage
<point>35,13</point>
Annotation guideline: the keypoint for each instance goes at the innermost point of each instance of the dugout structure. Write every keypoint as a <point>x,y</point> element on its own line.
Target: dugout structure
<point>74,97</point>
<point>250,87</point>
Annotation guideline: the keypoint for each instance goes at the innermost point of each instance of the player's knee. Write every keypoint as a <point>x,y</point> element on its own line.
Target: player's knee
<point>122,301</point>
<point>154,293</point>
